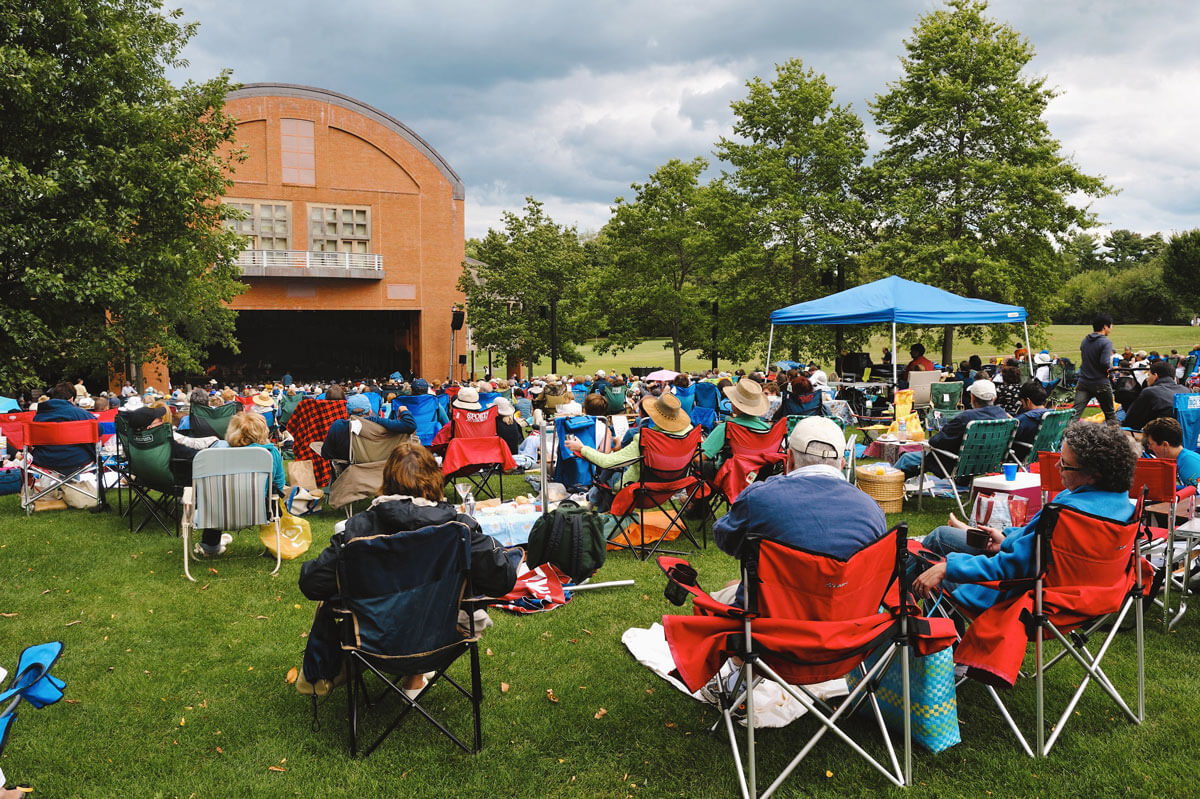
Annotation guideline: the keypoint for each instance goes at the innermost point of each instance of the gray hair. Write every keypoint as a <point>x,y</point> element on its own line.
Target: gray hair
<point>1104,452</point>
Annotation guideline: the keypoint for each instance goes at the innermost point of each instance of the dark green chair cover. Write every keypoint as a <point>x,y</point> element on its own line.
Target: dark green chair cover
<point>216,418</point>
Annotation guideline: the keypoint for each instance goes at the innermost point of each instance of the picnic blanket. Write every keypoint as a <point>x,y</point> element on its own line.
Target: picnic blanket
<point>310,422</point>
<point>543,588</point>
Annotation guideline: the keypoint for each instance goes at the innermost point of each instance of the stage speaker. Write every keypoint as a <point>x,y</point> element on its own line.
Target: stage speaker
<point>456,319</point>
<point>462,360</point>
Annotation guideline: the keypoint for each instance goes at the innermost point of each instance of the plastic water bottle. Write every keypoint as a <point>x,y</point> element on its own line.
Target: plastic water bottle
<point>469,503</point>
<point>903,434</point>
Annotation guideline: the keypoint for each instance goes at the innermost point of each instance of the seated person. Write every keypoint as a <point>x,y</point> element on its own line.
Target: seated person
<point>1097,467</point>
<point>183,448</point>
<point>1033,408</point>
<point>1042,361</point>
<point>950,437</point>
<point>1008,387</point>
<point>58,407</point>
<point>919,362</point>
<point>508,428</point>
<point>411,497</point>
<point>337,441</point>
<point>1163,438</point>
<point>1157,399</point>
<point>749,403</point>
<point>246,429</point>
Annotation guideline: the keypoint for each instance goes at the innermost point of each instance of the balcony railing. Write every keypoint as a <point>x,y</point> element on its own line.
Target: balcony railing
<point>305,263</point>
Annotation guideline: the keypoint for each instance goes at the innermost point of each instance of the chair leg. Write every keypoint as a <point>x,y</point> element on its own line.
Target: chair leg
<point>476,697</point>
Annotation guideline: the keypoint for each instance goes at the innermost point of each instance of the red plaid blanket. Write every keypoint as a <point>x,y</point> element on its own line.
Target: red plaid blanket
<point>310,422</point>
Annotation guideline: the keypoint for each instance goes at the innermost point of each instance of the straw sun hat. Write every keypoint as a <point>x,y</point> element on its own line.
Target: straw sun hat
<point>747,396</point>
<point>667,413</point>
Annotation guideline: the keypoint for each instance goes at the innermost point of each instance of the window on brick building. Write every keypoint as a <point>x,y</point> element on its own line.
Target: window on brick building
<point>296,152</point>
<point>339,228</point>
<point>266,224</point>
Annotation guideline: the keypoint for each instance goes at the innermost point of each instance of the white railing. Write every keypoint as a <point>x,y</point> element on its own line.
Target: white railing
<point>304,259</point>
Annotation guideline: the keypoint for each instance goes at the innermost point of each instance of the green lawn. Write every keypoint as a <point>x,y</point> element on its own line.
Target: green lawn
<point>178,689</point>
<point>1064,340</point>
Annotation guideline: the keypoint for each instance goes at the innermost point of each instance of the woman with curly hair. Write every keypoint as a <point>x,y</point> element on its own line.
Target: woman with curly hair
<point>1096,463</point>
<point>1008,388</point>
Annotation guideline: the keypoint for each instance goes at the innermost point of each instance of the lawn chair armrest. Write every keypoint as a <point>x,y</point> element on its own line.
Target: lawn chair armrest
<point>702,601</point>
<point>1185,492</point>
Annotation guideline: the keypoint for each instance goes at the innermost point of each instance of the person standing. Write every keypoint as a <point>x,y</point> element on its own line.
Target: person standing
<point>1095,358</point>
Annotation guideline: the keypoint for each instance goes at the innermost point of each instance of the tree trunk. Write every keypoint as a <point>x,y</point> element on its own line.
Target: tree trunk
<point>948,346</point>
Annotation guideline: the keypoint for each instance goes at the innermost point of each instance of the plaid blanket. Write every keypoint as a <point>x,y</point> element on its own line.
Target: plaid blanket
<point>310,422</point>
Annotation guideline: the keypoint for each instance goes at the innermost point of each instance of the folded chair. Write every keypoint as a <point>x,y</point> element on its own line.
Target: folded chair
<point>753,455</point>
<point>1049,437</point>
<point>666,470</point>
<point>984,445</point>
<point>230,490</point>
<point>1088,572</point>
<point>217,419</point>
<point>37,434</point>
<point>475,452</point>
<point>398,606</point>
<point>569,469</point>
<point>806,618</point>
<point>145,458</point>
<point>1157,479</point>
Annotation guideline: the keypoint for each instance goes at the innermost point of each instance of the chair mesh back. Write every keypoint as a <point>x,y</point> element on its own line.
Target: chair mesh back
<point>403,589</point>
<point>1050,432</point>
<point>984,446</point>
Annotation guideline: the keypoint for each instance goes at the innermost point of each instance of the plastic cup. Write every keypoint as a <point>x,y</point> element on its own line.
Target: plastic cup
<point>1010,472</point>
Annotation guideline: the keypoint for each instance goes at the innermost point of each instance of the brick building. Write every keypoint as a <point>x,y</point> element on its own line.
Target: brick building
<point>356,239</point>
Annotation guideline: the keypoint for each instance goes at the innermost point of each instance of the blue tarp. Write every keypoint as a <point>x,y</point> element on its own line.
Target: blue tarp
<point>895,299</point>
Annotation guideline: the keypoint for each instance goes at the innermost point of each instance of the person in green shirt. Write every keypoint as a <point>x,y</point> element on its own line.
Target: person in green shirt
<point>749,403</point>
<point>667,415</point>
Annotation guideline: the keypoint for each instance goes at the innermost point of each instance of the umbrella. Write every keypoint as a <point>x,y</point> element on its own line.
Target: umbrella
<point>662,375</point>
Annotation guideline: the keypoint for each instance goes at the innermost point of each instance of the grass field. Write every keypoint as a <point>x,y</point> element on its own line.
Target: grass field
<point>177,689</point>
<point>1063,340</point>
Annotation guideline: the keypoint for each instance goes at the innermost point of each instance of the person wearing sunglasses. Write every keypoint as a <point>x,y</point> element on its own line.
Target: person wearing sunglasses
<point>1097,463</point>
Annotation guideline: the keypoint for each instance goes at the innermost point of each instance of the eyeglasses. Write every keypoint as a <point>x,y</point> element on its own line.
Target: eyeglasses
<point>1063,467</point>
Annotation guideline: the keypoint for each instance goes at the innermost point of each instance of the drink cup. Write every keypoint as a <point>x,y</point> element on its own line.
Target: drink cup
<point>1018,510</point>
<point>1010,472</point>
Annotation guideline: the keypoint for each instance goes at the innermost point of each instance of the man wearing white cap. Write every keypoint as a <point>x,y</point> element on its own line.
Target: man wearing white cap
<point>600,383</point>
<point>950,437</point>
<point>812,506</point>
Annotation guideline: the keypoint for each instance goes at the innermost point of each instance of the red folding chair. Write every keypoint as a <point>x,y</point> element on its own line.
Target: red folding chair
<point>753,455</point>
<point>808,618</point>
<point>38,434</point>
<point>1156,478</point>
<point>1051,477</point>
<point>1088,570</point>
<point>13,427</point>
<point>666,469</point>
<point>474,451</point>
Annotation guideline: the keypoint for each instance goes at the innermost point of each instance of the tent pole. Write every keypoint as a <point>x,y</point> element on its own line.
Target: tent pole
<point>770,341</point>
<point>1028,349</point>
<point>895,355</point>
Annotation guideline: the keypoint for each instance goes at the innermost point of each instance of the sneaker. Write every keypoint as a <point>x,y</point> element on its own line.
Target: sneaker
<point>202,550</point>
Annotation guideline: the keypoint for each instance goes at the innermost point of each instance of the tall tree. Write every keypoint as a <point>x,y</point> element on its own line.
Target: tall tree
<point>795,158</point>
<point>530,266</point>
<point>1181,269</point>
<point>660,261</point>
<point>111,242</point>
<point>972,189</point>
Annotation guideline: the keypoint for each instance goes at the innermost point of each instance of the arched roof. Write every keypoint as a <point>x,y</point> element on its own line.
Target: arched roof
<point>359,107</point>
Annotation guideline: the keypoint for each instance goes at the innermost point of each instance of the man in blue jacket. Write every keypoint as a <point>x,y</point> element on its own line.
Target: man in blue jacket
<point>1097,467</point>
<point>337,440</point>
<point>64,458</point>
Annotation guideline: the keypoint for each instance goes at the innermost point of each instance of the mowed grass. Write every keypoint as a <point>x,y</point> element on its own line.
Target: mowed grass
<point>1063,340</point>
<point>177,689</point>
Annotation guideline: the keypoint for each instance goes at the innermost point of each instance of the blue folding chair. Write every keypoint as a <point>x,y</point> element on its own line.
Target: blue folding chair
<point>706,395</point>
<point>705,418</point>
<point>580,391</point>
<point>488,398</point>
<point>375,399</point>
<point>686,397</point>
<point>569,469</point>
<point>32,683</point>
<point>9,405</point>
<point>1187,412</point>
<point>424,408</point>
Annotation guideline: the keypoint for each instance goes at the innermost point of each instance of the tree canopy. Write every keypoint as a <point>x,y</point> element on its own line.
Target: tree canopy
<point>111,237</point>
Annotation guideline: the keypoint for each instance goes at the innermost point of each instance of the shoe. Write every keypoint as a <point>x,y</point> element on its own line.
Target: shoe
<point>413,693</point>
<point>201,550</point>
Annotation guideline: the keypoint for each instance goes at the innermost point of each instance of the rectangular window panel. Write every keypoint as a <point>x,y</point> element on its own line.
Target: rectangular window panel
<point>266,224</point>
<point>297,152</point>
<point>339,229</point>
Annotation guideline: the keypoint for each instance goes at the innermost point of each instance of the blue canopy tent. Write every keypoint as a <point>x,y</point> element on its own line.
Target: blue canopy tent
<point>899,301</point>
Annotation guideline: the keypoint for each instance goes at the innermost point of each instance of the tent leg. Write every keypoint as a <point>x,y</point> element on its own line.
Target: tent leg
<point>770,342</point>
<point>895,355</point>
<point>1028,349</point>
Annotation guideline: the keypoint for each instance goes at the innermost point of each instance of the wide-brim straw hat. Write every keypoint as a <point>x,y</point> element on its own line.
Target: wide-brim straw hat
<point>748,397</point>
<point>263,398</point>
<point>667,413</point>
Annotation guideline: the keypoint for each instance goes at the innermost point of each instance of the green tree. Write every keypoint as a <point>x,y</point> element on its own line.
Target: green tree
<point>531,264</point>
<point>795,158</point>
<point>657,280</point>
<point>1181,269</point>
<point>1124,248</point>
<point>973,191</point>
<point>111,242</point>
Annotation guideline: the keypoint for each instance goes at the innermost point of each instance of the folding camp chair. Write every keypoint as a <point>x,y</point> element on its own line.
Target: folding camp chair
<point>1087,569</point>
<point>475,452</point>
<point>38,434</point>
<point>616,399</point>
<point>946,401</point>
<point>666,469</point>
<point>488,398</point>
<point>231,489</point>
<point>579,392</point>
<point>984,445</point>
<point>13,427</point>
<point>753,455</point>
<point>216,418</point>
<point>398,604</point>
<point>370,447</point>
<point>806,618</point>
<point>9,405</point>
<point>287,406</point>
<point>708,396</point>
<point>145,458</point>
<point>310,423</point>
<point>1176,543</point>
<point>705,418</point>
<point>809,405</point>
<point>32,683</point>
<point>686,396</point>
<point>571,470</point>
<point>424,409</point>
<point>1049,437</point>
<point>1187,413</point>
<point>920,383</point>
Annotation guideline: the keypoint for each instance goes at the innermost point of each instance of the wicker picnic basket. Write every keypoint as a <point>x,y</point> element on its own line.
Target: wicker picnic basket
<point>887,489</point>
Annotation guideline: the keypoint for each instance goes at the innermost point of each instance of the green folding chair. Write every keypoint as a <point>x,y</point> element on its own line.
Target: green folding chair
<point>146,457</point>
<point>984,446</point>
<point>287,405</point>
<point>217,418</point>
<point>946,399</point>
<point>1048,439</point>
<point>616,399</point>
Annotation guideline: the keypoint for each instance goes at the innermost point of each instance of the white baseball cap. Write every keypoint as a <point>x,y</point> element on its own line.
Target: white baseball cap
<point>984,390</point>
<point>819,430</point>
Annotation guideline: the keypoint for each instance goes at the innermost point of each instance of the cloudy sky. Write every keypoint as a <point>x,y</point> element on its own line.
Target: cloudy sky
<point>572,101</point>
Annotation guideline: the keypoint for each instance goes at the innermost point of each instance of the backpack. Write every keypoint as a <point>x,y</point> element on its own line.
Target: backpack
<point>573,539</point>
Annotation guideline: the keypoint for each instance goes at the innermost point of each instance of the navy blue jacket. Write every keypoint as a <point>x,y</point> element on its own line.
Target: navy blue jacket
<point>67,457</point>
